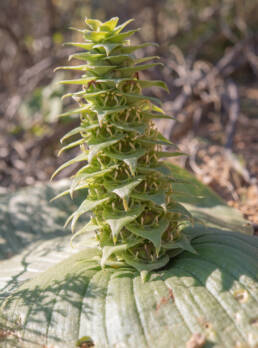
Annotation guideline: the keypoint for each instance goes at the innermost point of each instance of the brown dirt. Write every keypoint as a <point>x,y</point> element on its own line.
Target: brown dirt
<point>232,174</point>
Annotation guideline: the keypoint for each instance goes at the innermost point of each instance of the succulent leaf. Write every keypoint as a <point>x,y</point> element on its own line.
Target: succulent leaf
<point>54,296</point>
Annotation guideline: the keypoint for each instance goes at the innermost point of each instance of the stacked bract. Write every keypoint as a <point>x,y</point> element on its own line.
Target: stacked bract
<point>136,217</point>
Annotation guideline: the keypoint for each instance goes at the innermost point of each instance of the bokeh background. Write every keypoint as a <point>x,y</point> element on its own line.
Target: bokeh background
<point>209,49</point>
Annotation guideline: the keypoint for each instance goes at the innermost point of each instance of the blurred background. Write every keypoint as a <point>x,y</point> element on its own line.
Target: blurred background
<point>210,53</point>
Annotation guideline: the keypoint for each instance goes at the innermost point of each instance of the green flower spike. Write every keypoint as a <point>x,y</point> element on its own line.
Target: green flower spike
<point>135,215</point>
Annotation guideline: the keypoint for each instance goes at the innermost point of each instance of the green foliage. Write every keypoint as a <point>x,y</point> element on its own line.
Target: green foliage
<point>130,190</point>
<point>42,107</point>
<point>53,295</point>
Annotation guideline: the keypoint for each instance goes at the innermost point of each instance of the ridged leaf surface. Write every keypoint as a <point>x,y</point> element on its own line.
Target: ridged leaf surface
<point>204,293</point>
<point>213,293</point>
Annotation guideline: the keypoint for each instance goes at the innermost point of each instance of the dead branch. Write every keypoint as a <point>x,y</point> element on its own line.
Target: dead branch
<point>199,80</point>
<point>233,109</point>
<point>17,42</point>
<point>252,58</point>
<point>52,16</point>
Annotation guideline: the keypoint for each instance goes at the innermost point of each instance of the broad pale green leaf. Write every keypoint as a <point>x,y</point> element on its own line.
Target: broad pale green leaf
<point>195,294</point>
<point>210,209</point>
<point>146,267</point>
<point>153,233</point>
<point>118,220</point>
<point>161,169</point>
<point>110,250</point>
<point>213,292</point>
<point>28,215</point>
<point>183,243</point>
<point>175,207</point>
<point>181,196</point>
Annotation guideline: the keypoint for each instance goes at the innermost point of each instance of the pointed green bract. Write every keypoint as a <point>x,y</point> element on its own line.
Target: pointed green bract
<point>80,158</point>
<point>96,147</point>
<point>153,233</point>
<point>124,189</point>
<point>130,191</point>
<point>117,221</point>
